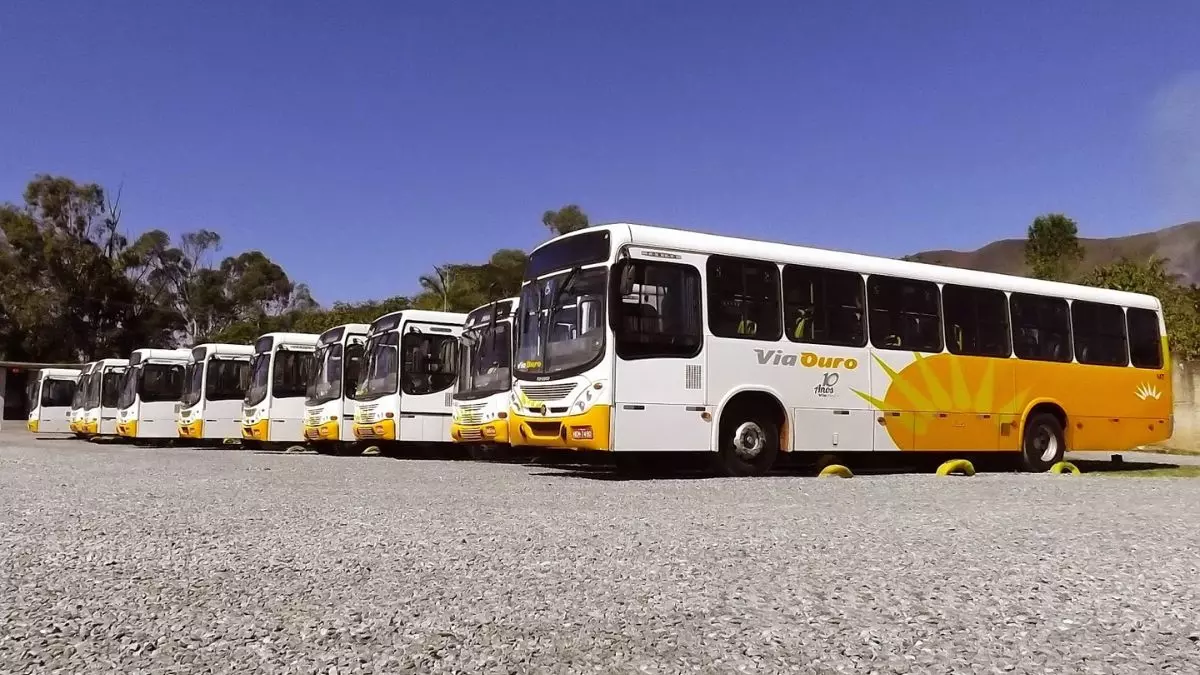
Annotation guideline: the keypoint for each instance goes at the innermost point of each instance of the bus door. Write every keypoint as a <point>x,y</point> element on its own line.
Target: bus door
<point>659,382</point>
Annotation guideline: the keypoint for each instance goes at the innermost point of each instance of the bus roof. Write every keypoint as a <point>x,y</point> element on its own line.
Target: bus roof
<point>165,354</point>
<point>224,348</point>
<point>339,333</point>
<point>72,373</point>
<point>657,236</point>
<point>104,363</point>
<point>505,308</point>
<point>420,315</point>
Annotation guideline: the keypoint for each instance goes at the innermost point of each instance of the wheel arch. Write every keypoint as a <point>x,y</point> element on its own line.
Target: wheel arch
<point>750,395</point>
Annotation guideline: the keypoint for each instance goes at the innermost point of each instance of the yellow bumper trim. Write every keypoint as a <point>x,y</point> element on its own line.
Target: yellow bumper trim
<point>568,432</point>
<point>191,429</point>
<point>495,431</point>
<point>325,431</point>
<point>383,430</point>
<point>256,431</point>
<point>128,429</point>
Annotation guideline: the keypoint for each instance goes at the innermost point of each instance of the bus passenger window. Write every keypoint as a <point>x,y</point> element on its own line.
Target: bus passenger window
<point>657,315</point>
<point>1041,327</point>
<point>1099,331</point>
<point>1145,342</point>
<point>976,321</point>
<point>743,298</point>
<point>904,314</point>
<point>824,307</point>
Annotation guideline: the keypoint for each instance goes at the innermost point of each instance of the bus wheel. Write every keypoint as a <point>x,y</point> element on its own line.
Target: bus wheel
<point>1043,443</point>
<point>749,445</point>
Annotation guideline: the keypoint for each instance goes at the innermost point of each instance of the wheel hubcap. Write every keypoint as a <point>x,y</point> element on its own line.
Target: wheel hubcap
<point>749,440</point>
<point>1045,443</point>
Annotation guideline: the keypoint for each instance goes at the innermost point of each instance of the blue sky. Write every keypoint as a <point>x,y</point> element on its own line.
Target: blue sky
<point>357,143</point>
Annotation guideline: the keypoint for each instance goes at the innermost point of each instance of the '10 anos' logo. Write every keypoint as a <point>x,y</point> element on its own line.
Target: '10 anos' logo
<point>775,357</point>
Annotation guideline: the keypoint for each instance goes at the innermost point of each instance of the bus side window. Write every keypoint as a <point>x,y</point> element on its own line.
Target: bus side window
<point>824,306</point>
<point>1041,327</point>
<point>743,298</point>
<point>905,314</point>
<point>976,321</point>
<point>1099,331</point>
<point>1145,341</point>
<point>659,313</point>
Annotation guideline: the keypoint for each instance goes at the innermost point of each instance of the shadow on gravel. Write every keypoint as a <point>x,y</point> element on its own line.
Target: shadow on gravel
<point>1100,466</point>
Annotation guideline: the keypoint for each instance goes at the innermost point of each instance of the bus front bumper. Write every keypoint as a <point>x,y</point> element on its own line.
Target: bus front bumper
<point>32,425</point>
<point>191,429</point>
<point>91,428</point>
<point>256,431</point>
<point>495,431</point>
<point>326,431</point>
<point>383,430</point>
<point>585,431</point>
<point>127,429</point>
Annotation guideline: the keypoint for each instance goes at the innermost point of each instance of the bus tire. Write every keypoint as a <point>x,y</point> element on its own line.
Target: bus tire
<point>749,444</point>
<point>1043,443</point>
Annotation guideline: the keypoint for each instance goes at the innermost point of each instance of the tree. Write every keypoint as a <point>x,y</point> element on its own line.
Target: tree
<point>565,220</point>
<point>1052,248</point>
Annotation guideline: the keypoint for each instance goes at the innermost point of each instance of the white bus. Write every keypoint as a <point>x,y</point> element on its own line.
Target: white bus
<point>404,393</point>
<point>481,396</point>
<point>329,398</point>
<point>51,391</point>
<point>214,387</point>
<point>273,410</point>
<point>78,406</point>
<point>100,399</point>
<point>150,393</point>
<point>636,339</point>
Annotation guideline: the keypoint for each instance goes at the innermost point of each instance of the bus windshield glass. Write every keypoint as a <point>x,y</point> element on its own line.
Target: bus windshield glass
<point>325,384</point>
<point>129,387</point>
<point>485,364</point>
<point>193,383</point>
<point>260,368</point>
<point>560,323</point>
<point>381,375</point>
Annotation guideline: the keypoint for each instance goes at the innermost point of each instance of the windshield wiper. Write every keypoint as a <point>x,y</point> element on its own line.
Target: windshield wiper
<point>562,288</point>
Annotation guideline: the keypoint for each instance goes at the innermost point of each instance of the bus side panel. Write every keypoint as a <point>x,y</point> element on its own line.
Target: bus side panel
<point>157,420</point>
<point>286,417</point>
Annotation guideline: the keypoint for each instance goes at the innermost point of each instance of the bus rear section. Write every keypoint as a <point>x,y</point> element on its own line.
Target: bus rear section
<point>484,388</point>
<point>273,410</point>
<point>51,394</point>
<point>215,382</point>
<point>329,395</point>
<point>405,392</point>
<point>150,394</point>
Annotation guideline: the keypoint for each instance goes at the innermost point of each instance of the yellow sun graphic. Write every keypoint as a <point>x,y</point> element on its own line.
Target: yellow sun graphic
<point>955,386</point>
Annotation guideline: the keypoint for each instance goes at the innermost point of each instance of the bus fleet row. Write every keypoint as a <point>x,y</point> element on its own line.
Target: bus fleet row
<point>635,339</point>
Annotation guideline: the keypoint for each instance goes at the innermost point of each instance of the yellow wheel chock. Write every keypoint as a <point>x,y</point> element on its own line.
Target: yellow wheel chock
<point>371,450</point>
<point>1065,467</point>
<point>836,471</point>
<point>960,467</point>
<point>293,449</point>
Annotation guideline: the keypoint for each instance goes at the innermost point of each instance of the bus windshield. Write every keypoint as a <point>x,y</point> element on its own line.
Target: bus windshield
<point>381,375</point>
<point>129,387</point>
<point>560,324</point>
<point>193,384</point>
<point>325,383</point>
<point>260,367</point>
<point>92,396</point>
<point>485,361</point>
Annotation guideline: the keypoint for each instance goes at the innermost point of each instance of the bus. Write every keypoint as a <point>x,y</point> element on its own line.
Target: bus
<point>100,399</point>
<point>51,392</point>
<point>404,394</point>
<point>640,339</point>
<point>77,400</point>
<point>329,397</point>
<point>273,410</point>
<point>481,396</point>
<point>214,385</point>
<point>150,393</point>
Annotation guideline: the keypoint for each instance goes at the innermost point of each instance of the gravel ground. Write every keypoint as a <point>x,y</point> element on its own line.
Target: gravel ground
<point>170,560</point>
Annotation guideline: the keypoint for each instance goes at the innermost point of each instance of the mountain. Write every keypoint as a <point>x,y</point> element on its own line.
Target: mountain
<point>1180,245</point>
